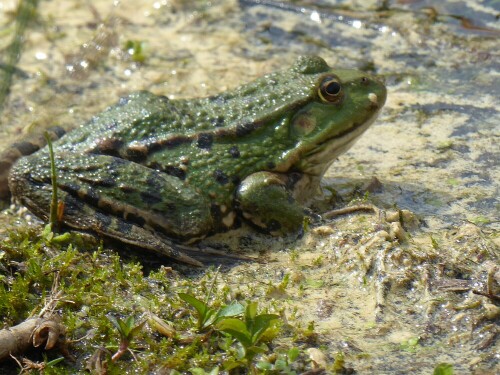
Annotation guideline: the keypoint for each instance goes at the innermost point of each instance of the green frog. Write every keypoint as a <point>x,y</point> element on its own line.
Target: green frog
<point>160,174</point>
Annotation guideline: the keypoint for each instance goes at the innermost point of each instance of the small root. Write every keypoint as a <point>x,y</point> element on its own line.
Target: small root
<point>350,210</point>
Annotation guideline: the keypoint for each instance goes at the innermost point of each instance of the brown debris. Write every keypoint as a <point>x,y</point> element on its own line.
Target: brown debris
<point>48,333</point>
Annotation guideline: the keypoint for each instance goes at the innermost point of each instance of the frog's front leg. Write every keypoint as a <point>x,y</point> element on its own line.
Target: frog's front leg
<point>266,201</point>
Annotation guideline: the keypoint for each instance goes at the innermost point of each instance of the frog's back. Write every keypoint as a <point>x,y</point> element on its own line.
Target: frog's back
<point>162,134</point>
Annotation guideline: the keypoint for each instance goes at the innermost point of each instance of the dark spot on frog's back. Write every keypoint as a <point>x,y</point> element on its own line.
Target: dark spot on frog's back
<point>106,182</point>
<point>151,197</point>
<point>56,132</point>
<point>154,182</point>
<point>103,220</point>
<point>136,155</point>
<point>245,129</point>
<point>170,142</point>
<point>91,197</point>
<point>205,141</point>
<point>108,146</point>
<point>117,164</point>
<point>71,187</point>
<point>218,122</point>
<point>221,177</point>
<point>234,152</point>
<point>72,206</point>
<point>136,219</point>
<point>176,172</point>
<point>124,227</point>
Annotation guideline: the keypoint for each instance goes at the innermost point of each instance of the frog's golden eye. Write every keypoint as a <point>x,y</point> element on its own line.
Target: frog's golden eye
<point>330,90</point>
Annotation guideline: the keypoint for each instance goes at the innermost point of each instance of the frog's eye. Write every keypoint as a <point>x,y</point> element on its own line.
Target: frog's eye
<point>330,90</point>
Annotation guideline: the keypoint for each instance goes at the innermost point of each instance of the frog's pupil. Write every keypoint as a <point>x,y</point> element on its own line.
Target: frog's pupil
<point>333,88</point>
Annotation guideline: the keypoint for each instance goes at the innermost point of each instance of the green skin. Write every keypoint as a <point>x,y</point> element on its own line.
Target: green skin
<point>155,173</point>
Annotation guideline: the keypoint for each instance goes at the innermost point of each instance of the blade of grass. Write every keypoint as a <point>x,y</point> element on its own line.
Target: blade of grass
<point>53,204</point>
<point>25,13</point>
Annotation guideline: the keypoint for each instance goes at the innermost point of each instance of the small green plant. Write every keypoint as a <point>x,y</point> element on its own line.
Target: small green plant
<point>318,262</point>
<point>127,330</point>
<point>443,369</point>
<point>282,364</point>
<point>200,371</point>
<point>411,345</point>
<point>249,331</point>
<point>279,289</point>
<point>135,48</point>
<point>435,244</point>
<point>480,220</point>
<point>50,238</point>
<point>208,316</point>
<point>339,364</point>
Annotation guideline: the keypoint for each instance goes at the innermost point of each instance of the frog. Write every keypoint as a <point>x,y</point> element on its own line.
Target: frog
<point>160,175</point>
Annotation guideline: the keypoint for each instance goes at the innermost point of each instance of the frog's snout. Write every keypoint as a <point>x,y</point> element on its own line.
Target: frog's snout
<point>378,96</point>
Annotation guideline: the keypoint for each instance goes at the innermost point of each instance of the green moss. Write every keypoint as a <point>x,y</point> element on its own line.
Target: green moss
<point>104,301</point>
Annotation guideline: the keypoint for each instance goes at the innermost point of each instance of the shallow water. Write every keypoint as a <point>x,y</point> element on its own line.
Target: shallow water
<point>435,147</point>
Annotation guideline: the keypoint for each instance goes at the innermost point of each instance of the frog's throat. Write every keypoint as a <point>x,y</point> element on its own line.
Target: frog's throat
<point>318,160</point>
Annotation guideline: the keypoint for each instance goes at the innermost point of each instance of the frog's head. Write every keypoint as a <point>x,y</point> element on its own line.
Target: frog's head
<point>342,105</point>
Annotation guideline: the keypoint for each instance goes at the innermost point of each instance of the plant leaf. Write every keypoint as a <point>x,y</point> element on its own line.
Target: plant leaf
<point>200,306</point>
<point>204,312</point>
<point>293,354</point>
<point>237,329</point>
<point>119,325</point>
<point>250,311</point>
<point>129,323</point>
<point>133,331</point>
<point>208,319</point>
<point>261,323</point>
<point>197,371</point>
<point>234,309</point>
<point>54,361</point>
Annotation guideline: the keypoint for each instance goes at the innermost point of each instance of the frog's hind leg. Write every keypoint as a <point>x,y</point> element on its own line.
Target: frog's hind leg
<point>81,216</point>
<point>92,200</point>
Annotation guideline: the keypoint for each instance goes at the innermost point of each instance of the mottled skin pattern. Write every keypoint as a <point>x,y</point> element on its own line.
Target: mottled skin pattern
<point>153,172</point>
